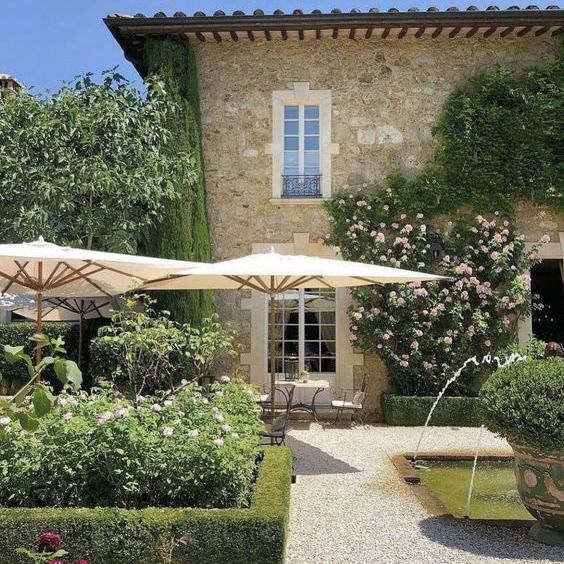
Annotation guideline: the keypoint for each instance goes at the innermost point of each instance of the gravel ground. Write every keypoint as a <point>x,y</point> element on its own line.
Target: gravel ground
<point>349,504</point>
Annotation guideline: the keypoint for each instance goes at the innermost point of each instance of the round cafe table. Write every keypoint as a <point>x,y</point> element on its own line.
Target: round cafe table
<point>317,385</point>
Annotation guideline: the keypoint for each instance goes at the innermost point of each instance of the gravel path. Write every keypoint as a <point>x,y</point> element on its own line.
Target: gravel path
<point>350,506</point>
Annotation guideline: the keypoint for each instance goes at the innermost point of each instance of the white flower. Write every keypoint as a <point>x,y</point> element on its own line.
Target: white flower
<point>167,431</point>
<point>235,435</point>
<point>105,417</point>
<point>545,239</point>
<point>61,401</point>
<point>226,428</point>
<point>156,407</point>
<point>73,402</point>
<point>67,416</point>
<point>219,418</point>
<point>181,414</point>
<point>4,421</point>
<point>225,379</point>
<point>167,403</point>
<point>121,412</point>
<point>218,442</point>
<point>193,433</point>
<point>183,382</point>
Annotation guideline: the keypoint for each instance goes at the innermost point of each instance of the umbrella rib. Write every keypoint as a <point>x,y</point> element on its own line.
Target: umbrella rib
<point>22,270</point>
<point>245,283</point>
<point>51,276</point>
<point>14,280</point>
<point>366,280</point>
<point>68,277</point>
<point>79,274</point>
<point>118,271</point>
<point>11,282</point>
<point>323,283</point>
<point>298,281</point>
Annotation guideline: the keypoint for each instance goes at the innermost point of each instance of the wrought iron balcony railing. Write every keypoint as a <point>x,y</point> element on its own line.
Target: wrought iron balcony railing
<point>300,186</point>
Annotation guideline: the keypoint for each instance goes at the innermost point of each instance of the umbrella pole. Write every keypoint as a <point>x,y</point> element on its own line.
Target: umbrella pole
<point>38,328</point>
<point>80,331</point>
<point>272,352</point>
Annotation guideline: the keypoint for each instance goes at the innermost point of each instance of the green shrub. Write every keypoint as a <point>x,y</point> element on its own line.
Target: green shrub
<point>256,535</point>
<point>144,351</point>
<point>524,403</point>
<point>188,449</point>
<point>413,410</point>
<point>14,375</point>
<point>534,349</point>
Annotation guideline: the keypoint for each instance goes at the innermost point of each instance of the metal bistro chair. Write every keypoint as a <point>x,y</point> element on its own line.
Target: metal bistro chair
<point>275,432</point>
<point>352,401</point>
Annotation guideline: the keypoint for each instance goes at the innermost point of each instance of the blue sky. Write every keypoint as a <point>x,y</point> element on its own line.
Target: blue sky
<point>45,42</point>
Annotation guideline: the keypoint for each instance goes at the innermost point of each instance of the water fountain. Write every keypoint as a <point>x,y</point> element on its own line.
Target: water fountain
<point>473,476</point>
<point>486,359</point>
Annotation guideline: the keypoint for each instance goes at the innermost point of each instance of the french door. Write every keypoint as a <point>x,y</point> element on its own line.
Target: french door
<point>305,332</point>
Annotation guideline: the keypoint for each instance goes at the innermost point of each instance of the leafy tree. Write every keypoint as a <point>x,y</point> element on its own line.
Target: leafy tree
<point>86,166</point>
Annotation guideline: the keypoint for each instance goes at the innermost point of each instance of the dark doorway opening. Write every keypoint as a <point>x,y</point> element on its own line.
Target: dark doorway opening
<point>547,286</point>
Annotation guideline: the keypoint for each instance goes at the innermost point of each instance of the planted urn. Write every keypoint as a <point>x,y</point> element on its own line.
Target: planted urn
<point>524,403</point>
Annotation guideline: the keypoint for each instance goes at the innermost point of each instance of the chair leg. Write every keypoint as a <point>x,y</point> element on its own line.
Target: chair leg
<point>339,411</point>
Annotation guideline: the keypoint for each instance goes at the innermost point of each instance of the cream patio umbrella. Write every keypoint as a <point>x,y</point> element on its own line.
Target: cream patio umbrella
<point>273,273</point>
<point>51,271</point>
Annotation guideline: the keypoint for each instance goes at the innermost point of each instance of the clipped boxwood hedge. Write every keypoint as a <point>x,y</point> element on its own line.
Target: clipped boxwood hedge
<point>14,375</point>
<point>413,410</point>
<point>256,535</point>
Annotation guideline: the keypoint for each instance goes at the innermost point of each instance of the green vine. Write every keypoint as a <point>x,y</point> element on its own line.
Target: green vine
<point>183,233</point>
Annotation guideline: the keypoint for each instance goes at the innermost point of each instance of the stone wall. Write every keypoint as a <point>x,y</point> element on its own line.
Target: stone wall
<point>386,97</point>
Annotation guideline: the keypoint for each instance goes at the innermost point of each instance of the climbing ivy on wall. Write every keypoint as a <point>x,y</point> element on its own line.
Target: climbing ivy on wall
<point>501,139</point>
<point>183,233</point>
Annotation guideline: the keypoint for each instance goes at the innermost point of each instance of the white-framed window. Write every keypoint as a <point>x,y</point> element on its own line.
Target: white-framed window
<point>301,145</point>
<point>306,332</point>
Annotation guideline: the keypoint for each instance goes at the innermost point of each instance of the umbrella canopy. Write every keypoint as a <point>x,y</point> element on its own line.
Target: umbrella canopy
<point>70,309</point>
<point>273,273</point>
<point>52,271</point>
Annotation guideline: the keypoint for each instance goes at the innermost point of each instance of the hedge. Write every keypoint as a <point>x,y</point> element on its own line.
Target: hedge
<point>14,375</point>
<point>256,535</point>
<point>413,410</point>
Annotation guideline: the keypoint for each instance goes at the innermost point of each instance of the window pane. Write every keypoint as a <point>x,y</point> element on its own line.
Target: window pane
<point>291,127</point>
<point>327,347</point>
<point>291,332</point>
<point>312,364</point>
<point>311,158</point>
<point>291,158</point>
<point>311,348</point>
<point>291,143</point>
<point>291,112</point>
<point>328,365</point>
<point>311,143</point>
<point>291,348</point>
<point>291,171</point>
<point>327,317</point>
<point>311,112</point>
<point>311,128</point>
<point>311,171</point>
<point>311,331</point>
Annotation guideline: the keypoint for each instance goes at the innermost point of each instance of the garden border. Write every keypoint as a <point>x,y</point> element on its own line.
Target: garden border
<point>256,535</point>
<point>409,411</point>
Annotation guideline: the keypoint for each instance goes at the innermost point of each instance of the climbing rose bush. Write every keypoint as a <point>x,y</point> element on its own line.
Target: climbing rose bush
<point>424,332</point>
<point>189,448</point>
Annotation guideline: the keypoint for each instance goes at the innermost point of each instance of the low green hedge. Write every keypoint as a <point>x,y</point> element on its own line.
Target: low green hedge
<point>14,375</point>
<point>256,535</point>
<point>413,410</point>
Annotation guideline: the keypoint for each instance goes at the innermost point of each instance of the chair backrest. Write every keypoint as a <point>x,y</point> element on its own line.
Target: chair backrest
<point>360,395</point>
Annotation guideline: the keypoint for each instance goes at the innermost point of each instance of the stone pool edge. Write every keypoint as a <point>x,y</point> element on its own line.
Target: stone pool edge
<point>430,502</point>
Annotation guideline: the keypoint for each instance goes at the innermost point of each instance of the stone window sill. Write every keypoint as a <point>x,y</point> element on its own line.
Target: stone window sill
<point>297,201</point>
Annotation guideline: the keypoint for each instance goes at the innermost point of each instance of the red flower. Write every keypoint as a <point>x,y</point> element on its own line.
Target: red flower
<point>49,542</point>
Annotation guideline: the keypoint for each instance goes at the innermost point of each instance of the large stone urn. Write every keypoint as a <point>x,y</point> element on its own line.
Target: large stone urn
<point>540,481</point>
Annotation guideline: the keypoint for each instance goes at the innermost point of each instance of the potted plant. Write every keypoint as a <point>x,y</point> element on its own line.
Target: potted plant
<point>524,403</point>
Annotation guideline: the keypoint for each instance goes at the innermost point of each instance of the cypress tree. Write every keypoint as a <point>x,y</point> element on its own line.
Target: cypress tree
<point>183,233</point>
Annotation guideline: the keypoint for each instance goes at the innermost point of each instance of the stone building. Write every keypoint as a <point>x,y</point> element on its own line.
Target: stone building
<point>10,84</point>
<point>296,106</point>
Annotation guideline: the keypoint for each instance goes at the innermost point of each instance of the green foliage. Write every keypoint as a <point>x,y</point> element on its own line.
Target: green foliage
<point>410,411</point>
<point>14,375</point>
<point>256,535</point>
<point>523,403</point>
<point>534,349</point>
<point>183,232</point>
<point>34,400</point>
<point>142,352</point>
<point>501,139</point>
<point>87,166</point>
<point>187,449</point>
<point>425,332</point>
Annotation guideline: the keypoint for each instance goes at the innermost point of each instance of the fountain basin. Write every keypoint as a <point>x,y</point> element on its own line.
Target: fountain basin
<point>441,483</point>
